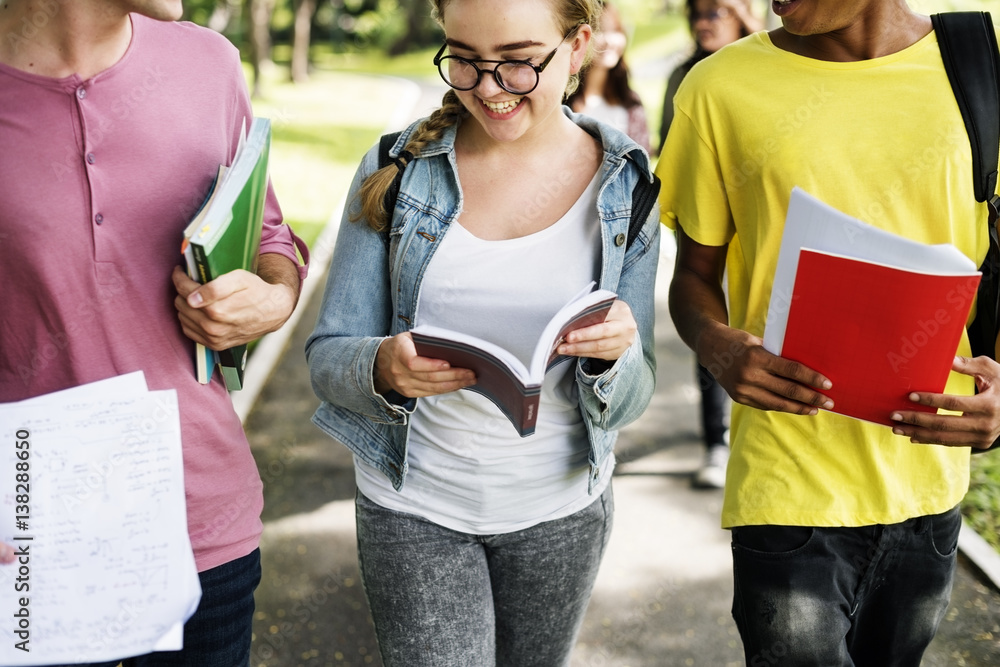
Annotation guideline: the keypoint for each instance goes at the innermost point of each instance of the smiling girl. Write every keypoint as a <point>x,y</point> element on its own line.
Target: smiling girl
<point>479,547</point>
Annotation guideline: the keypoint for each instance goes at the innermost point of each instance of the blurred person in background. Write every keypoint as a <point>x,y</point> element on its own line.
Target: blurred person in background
<point>713,24</point>
<point>604,92</point>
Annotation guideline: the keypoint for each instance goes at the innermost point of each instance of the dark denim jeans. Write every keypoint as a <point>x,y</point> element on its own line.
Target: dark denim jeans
<point>441,598</point>
<point>218,633</point>
<point>714,400</point>
<point>871,596</point>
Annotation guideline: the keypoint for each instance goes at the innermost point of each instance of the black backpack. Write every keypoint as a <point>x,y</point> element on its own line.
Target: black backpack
<point>643,195</point>
<point>972,60</point>
<point>969,50</point>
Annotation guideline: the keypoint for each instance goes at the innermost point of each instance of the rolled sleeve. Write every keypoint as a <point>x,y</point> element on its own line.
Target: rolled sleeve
<point>693,194</point>
<point>277,238</point>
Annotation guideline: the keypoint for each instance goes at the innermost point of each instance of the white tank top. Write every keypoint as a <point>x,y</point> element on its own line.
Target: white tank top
<point>468,468</point>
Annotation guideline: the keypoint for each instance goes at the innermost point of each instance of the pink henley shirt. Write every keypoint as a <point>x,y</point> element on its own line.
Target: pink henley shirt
<point>97,181</point>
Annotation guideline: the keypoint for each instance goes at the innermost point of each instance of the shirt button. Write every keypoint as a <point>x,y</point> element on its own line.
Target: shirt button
<point>620,240</point>
<point>91,159</point>
<point>81,92</point>
<point>99,218</point>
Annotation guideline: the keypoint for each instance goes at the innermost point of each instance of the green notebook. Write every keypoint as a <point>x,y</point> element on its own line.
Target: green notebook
<point>225,234</point>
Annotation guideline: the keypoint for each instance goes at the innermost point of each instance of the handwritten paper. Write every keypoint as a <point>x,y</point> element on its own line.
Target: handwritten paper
<point>92,499</point>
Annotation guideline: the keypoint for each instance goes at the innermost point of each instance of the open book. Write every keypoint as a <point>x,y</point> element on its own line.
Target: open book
<point>224,235</point>
<point>880,315</point>
<point>502,377</point>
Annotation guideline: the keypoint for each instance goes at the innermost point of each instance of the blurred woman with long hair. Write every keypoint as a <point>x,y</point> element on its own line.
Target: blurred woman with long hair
<point>605,92</point>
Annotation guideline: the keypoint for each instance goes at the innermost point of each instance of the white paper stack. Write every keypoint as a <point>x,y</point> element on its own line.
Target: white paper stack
<point>93,501</point>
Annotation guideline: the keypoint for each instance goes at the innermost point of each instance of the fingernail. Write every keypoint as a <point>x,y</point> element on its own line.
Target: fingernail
<point>896,417</point>
<point>828,405</point>
<point>827,384</point>
<point>195,299</point>
<point>897,431</point>
<point>915,398</point>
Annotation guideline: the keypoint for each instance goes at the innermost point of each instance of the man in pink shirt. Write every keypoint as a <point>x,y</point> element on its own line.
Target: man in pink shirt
<point>114,119</point>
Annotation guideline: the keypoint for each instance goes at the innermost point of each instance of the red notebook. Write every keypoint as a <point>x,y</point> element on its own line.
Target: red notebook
<point>877,332</point>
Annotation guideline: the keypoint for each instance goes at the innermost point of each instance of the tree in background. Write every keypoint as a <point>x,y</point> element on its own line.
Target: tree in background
<point>302,38</point>
<point>259,40</point>
<point>420,28</point>
<point>393,26</point>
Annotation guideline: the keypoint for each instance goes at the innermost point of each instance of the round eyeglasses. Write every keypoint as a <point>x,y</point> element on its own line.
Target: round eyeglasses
<point>518,77</point>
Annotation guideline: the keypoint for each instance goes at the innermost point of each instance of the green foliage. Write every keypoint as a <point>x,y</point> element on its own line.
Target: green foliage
<point>981,506</point>
<point>395,27</point>
<point>320,133</point>
<point>199,11</point>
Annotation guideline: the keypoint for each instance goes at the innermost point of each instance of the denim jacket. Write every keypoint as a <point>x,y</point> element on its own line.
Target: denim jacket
<point>373,288</point>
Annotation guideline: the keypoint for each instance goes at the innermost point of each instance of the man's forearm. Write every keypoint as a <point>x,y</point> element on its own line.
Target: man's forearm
<point>696,299</point>
<point>695,306</point>
<point>280,271</point>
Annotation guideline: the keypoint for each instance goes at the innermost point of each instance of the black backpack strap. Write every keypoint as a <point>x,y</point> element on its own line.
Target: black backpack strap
<point>385,144</point>
<point>971,59</point>
<point>644,196</point>
<point>969,50</point>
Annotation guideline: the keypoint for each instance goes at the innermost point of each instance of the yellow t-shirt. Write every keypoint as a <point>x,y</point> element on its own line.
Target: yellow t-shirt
<point>882,140</point>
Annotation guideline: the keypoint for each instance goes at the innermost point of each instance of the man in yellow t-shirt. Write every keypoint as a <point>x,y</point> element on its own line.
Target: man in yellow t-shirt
<point>844,532</point>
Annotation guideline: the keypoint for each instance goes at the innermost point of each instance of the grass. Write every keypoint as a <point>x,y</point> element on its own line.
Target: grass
<point>981,507</point>
<point>322,129</point>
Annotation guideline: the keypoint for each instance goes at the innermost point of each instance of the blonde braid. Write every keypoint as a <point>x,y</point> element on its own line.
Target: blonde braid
<point>373,190</point>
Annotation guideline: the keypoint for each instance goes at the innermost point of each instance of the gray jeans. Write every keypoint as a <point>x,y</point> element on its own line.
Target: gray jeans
<point>441,598</point>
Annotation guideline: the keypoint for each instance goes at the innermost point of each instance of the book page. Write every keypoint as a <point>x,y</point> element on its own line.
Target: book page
<point>93,503</point>
<point>810,223</point>
<point>586,309</point>
<point>439,340</point>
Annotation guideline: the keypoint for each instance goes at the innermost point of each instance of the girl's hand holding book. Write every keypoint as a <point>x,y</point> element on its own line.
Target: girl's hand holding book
<point>607,340</point>
<point>399,368</point>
